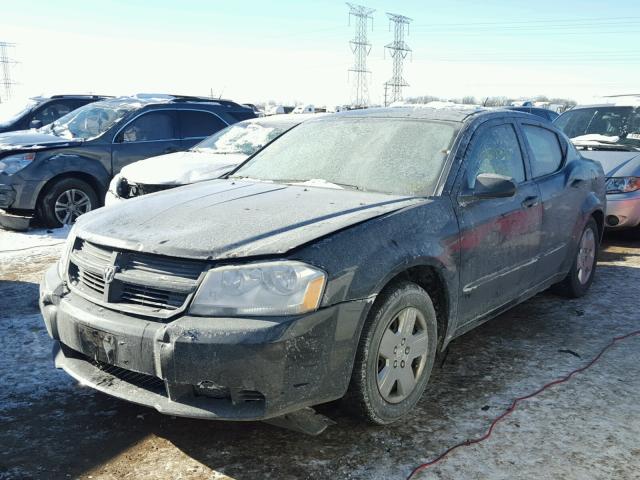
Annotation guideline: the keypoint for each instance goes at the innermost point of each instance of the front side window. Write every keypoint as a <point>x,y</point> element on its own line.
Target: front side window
<point>497,151</point>
<point>51,112</point>
<point>199,124</point>
<point>149,127</point>
<point>547,154</point>
<point>390,155</point>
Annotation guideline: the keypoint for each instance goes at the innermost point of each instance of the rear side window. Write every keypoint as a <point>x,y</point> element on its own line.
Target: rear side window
<point>152,126</point>
<point>199,124</point>
<point>547,154</point>
<point>496,150</point>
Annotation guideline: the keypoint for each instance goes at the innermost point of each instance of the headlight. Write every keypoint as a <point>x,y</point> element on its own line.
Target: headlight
<point>622,184</point>
<point>63,263</point>
<point>119,186</point>
<point>268,288</point>
<point>15,163</point>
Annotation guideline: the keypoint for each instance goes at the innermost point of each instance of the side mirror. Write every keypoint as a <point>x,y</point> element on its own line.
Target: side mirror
<point>35,124</point>
<point>491,185</point>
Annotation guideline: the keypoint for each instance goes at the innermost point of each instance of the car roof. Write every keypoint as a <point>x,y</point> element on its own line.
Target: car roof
<point>619,103</point>
<point>141,100</point>
<point>82,96</point>
<point>442,112</point>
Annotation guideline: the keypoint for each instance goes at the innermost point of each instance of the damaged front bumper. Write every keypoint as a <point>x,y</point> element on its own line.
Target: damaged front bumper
<point>623,210</point>
<point>212,368</point>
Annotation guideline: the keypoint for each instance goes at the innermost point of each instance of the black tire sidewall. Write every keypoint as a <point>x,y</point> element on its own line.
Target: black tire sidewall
<point>404,295</point>
<point>46,208</point>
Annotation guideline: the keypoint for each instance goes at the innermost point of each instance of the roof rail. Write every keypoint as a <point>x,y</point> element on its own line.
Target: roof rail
<point>84,95</point>
<point>191,98</point>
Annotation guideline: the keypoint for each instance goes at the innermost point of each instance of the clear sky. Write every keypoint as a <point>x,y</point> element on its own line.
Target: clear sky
<point>293,51</point>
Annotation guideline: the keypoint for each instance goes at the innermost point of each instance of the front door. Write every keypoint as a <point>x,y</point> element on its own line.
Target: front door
<point>499,237</point>
<point>148,135</point>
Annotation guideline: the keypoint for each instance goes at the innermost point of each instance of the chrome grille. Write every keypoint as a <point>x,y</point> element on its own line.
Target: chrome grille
<point>135,282</point>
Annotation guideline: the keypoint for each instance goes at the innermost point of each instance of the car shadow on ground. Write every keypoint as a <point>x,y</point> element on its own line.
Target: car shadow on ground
<point>75,430</point>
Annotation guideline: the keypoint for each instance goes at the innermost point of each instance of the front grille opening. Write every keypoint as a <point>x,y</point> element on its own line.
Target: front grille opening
<point>152,297</point>
<point>250,396</point>
<point>139,283</point>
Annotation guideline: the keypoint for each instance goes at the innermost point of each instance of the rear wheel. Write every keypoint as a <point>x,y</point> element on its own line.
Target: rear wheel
<point>65,201</point>
<point>580,277</point>
<point>395,355</point>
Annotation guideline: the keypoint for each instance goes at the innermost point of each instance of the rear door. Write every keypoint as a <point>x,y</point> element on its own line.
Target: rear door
<point>196,125</point>
<point>561,194</point>
<point>499,237</point>
<point>149,134</point>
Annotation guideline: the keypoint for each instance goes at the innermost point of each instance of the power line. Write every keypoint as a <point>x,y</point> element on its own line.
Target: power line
<point>398,50</point>
<point>361,49</point>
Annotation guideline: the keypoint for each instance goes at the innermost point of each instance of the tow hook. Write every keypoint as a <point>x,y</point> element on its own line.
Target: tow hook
<point>306,421</point>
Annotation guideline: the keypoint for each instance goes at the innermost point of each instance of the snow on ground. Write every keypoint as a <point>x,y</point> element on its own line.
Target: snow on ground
<point>587,428</point>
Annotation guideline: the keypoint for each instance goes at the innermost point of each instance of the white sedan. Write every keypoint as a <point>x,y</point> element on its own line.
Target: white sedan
<point>215,156</point>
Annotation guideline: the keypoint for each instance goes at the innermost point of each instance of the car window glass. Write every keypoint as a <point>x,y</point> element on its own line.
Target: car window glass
<point>496,151</point>
<point>149,127</point>
<point>199,124</point>
<point>51,112</point>
<point>547,155</point>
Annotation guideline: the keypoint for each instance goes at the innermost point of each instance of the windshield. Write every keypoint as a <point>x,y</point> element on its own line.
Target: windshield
<point>601,125</point>
<point>12,110</point>
<point>245,138</point>
<point>389,155</point>
<point>91,120</point>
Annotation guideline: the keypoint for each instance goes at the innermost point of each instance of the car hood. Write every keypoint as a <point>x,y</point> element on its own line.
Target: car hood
<point>228,219</point>
<point>181,168</point>
<point>33,140</point>
<point>616,164</point>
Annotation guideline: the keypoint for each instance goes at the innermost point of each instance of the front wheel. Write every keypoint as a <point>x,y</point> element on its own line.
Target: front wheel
<point>395,355</point>
<point>580,277</point>
<point>65,201</point>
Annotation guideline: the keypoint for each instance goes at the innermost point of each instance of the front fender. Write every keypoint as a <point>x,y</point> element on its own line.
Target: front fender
<point>363,259</point>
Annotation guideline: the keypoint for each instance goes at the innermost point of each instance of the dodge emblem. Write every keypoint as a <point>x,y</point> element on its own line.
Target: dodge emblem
<point>109,273</point>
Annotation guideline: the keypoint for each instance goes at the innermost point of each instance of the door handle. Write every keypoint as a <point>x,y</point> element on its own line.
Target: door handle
<point>576,183</point>
<point>529,202</point>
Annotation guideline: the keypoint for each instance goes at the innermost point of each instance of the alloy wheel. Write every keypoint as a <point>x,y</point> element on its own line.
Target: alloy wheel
<point>402,355</point>
<point>586,256</point>
<point>70,204</point>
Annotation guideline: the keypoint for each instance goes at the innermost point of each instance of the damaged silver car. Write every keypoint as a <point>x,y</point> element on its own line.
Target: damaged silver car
<point>334,263</point>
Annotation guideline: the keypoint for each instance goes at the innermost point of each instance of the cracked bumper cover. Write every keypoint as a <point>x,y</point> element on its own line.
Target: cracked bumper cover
<point>255,368</point>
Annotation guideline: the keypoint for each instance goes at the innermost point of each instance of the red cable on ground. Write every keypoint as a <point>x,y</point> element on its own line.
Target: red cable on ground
<point>514,404</point>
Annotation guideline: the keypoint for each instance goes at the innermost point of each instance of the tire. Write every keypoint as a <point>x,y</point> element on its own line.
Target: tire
<point>77,193</point>
<point>583,269</point>
<point>382,398</point>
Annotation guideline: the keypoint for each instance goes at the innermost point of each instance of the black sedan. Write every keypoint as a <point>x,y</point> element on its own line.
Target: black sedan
<point>336,262</point>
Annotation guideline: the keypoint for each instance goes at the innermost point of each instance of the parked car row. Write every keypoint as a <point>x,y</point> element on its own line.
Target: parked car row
<point>335,262</point>
<point>62,171</point>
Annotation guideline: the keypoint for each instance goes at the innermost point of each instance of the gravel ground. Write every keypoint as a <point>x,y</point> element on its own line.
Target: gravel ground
<point>587,428</point>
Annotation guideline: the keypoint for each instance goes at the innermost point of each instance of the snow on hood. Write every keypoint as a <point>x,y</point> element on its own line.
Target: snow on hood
<point>229,219</point>
<point>595,138</point>
<point>32,140</point>
<point>181,168</point>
